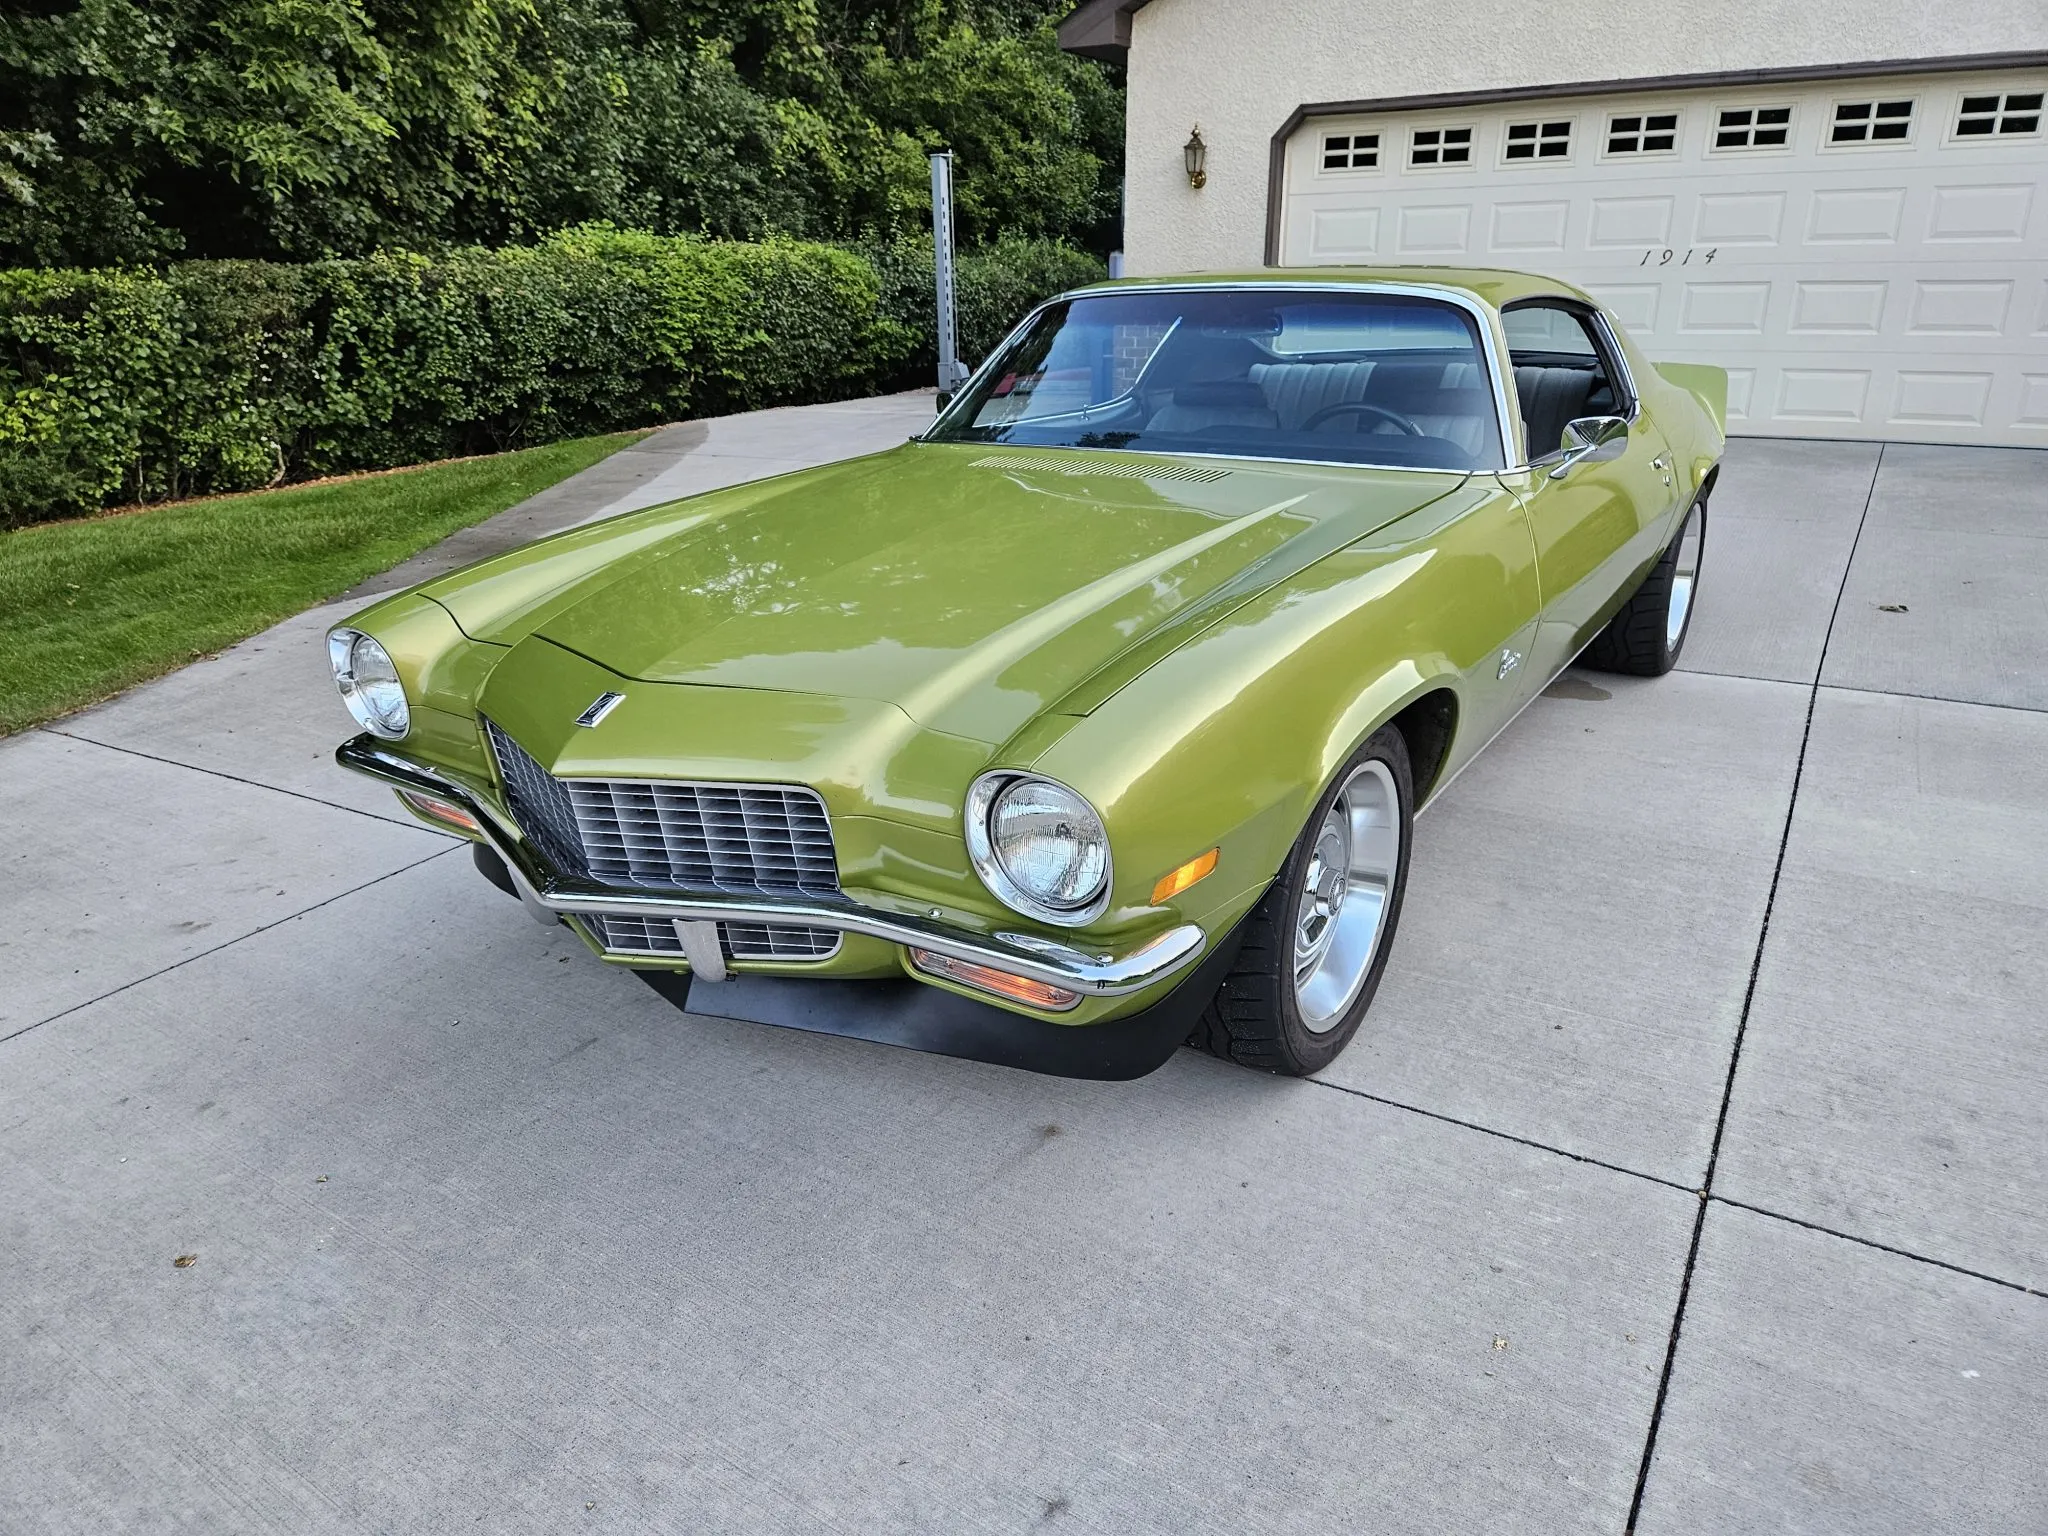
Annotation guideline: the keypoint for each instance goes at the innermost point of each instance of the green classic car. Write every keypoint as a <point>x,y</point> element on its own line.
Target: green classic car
<point>1094,720</point>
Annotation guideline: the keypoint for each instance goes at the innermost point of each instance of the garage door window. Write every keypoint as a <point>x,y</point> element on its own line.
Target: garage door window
<point>2015,113</point>
<point>1642,133</point>
<point>1538,141</point>
<point>1871,122</point>
<point>1440,146</point>
<point>1351,151</point>
<point>1753,128</point>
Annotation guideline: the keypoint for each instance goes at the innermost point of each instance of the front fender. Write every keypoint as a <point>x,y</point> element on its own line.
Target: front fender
<point>1227,742</point>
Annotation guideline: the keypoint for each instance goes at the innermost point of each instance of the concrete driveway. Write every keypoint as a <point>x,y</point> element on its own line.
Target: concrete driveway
<point>1689,1175</point>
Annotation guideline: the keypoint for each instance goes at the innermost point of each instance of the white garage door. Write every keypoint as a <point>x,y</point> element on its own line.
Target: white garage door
<point>1866,258</point>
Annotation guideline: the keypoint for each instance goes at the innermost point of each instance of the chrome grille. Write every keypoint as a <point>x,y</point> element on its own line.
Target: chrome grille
<point>776,941</point>
<point>764,838</point>
<point>539,803</point>
<point>746,839</point>
<point>740,941</point>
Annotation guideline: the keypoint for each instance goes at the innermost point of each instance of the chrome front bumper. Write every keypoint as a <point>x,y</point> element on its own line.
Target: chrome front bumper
<point>549,896</point>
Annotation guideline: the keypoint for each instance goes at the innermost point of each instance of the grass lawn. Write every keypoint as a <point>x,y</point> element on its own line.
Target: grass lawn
<point>92,607</point>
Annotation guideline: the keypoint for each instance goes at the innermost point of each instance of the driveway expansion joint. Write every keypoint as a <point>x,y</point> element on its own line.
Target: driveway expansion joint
<point>1499,1135</point>
<point>235,778</point>
<point>392,874</point>
<point>1870,1242</point>
<point>1707,1197</point>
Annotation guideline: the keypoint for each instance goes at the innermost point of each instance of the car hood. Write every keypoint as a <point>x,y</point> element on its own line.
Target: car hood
<point>969,588</point>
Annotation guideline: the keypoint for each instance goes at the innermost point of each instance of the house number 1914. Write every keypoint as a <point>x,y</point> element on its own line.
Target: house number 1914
<point>1667,255</point>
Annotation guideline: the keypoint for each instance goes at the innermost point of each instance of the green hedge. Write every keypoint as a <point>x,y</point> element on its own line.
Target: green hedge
<point>138,385</point>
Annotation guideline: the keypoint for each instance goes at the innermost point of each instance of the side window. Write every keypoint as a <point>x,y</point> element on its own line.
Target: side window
<point>1562,372</point>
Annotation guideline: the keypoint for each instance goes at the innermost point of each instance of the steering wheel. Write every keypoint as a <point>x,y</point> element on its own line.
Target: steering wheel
<point>1360,408</point>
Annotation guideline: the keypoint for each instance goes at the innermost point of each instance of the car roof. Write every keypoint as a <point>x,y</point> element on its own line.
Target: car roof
<point>1490,285</point>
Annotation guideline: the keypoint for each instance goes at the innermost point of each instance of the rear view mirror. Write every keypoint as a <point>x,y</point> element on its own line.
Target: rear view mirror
<point>1591,439</point>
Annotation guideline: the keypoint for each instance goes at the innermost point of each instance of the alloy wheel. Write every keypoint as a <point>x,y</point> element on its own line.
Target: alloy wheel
<point>1340,911</point>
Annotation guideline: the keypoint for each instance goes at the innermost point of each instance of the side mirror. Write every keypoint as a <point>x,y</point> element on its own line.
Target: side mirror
<point>1590,440</point>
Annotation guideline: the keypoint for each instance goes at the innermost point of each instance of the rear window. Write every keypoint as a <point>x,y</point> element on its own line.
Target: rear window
<point>1350,378</point>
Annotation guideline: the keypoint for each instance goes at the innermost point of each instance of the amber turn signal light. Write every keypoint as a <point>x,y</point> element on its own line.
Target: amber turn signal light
<point>1174,882</point>
<point>986,978</point>
<point>440,810</point>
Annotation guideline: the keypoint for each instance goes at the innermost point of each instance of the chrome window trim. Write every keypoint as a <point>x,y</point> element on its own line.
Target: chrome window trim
<point>1506,412</point>
<point>1618,356</point>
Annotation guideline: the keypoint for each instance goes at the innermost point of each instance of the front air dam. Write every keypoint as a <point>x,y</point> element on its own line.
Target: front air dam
<point>920,1017</point>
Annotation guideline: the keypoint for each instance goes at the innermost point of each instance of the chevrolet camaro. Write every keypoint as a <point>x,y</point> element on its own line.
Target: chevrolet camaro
<point>1093,720</point>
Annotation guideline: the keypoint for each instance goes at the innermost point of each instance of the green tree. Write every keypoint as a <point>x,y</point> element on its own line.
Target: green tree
<point>134,130</point>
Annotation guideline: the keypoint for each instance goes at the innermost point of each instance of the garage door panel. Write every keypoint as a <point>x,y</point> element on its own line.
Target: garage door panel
<point>1960,306</point>
<point>1344,234</point>
<point>1831,396</point>
<point>1724,309</point>
<point>1928,397</point>
<point>1739,218</point>
<point>1833,307</point>
<point>1436,230</point>
<point>1633,304</point>
<point>1855,215</point>
<point>1980,215</point>
<point>1894,289</point>
<point>1531,227</point>
<point>2033,410</point>
<point>1630,222</point>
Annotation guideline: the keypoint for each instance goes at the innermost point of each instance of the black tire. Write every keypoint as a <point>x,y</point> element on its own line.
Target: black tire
<point>1253,1020</point>
<point>1638,639</point>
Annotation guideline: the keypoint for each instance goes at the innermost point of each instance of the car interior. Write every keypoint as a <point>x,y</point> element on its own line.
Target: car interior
<point>1428,407</point>
<point>1344,379</point>
<point>1353,382</point>
<point>1561,373</point>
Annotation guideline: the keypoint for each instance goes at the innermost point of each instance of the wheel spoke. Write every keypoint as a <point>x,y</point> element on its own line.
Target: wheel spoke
<point>1344,895</point>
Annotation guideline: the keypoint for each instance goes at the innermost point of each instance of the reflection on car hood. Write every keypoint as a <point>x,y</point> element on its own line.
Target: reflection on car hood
<point>970,587</point>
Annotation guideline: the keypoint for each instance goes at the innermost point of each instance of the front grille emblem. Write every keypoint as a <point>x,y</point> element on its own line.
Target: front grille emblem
<point>601,706</point>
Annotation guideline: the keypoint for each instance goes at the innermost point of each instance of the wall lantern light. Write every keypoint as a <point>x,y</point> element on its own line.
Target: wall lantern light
<point>1196,154</point>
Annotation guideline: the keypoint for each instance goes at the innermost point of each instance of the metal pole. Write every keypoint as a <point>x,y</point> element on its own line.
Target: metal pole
<point>951,373</point>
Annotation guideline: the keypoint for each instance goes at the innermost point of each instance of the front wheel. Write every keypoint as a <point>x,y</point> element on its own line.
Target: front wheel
<point>1315,947</point>
<point>1645,637</point>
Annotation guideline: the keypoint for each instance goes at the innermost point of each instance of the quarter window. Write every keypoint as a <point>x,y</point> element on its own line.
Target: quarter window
<point>1646,133</point>
<point>1982,117</point>
<point>1871,122</point>
<point>1351,151</point>
<point>1752,127</point>
<point>1538,141</point>
<point>1440,146</point>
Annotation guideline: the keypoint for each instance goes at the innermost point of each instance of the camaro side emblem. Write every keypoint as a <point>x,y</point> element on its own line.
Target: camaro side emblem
<point>1509,660</point>
<point>601,706</point>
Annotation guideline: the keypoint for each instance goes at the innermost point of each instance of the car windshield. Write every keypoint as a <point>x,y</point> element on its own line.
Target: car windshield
<point>1345,377</point>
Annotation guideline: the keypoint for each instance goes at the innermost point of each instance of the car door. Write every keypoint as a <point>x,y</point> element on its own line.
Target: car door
<point>1597,514</point>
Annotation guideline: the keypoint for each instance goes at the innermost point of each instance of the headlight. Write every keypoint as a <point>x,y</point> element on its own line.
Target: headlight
<point>1039,847</point>
<point>369,683</point>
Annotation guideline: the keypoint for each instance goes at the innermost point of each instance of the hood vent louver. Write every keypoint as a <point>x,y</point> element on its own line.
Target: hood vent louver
<point>1195,473</point>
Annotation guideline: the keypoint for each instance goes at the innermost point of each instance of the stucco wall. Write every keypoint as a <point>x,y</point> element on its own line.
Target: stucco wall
<point>1238,67</point>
